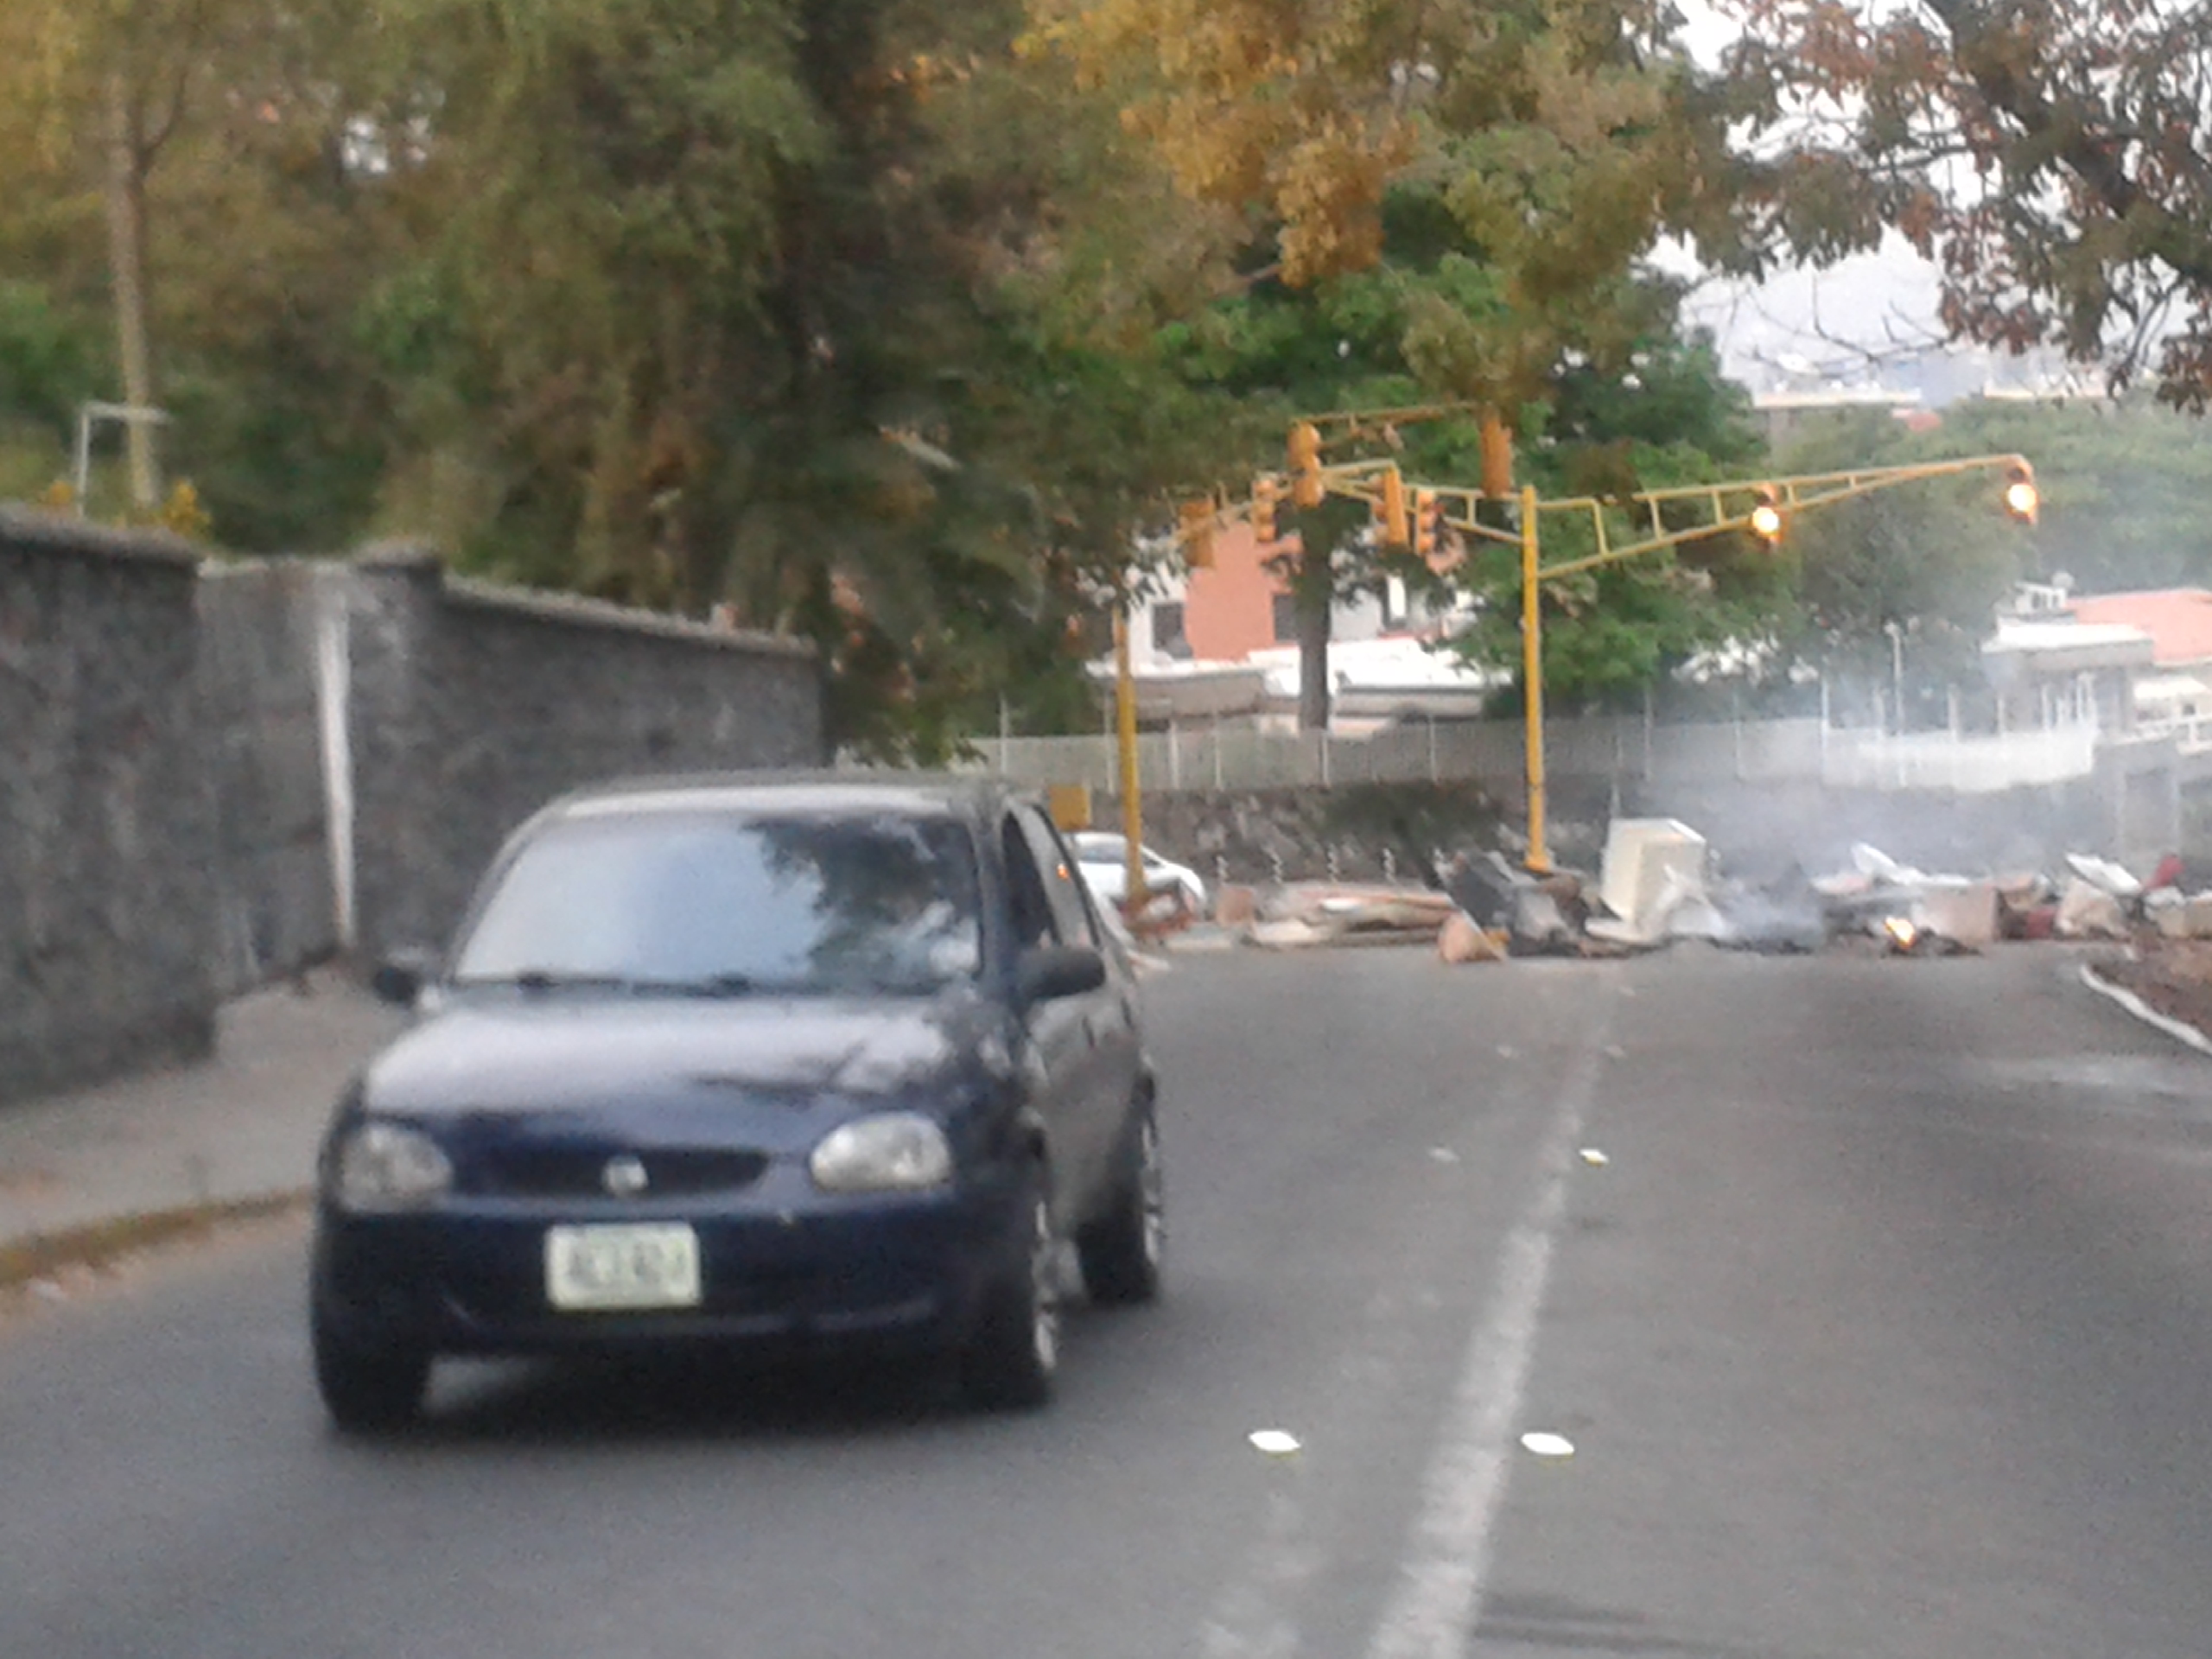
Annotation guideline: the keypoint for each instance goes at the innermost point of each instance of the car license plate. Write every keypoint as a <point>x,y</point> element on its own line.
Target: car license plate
<point>592,1269</point>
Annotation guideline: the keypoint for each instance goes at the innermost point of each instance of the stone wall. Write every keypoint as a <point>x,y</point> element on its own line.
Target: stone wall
<point>107,888</point>
<point>261,695</point>
<point>472,706</point>
<point>213,776</point>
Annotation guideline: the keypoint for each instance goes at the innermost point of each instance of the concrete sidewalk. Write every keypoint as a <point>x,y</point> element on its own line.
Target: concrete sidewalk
<point>88,1172</point>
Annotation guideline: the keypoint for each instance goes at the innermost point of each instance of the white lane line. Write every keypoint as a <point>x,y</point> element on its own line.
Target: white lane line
<point>1433,1606</point>
<point>2142,1011</point>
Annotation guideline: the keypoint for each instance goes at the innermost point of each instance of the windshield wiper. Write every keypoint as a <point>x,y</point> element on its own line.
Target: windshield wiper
<point>537,981</point>
<point>540,981</point>
<point>710,985</point>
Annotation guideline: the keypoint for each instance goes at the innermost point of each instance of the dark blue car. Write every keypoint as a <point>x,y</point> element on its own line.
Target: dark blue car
<point>786,1064</point>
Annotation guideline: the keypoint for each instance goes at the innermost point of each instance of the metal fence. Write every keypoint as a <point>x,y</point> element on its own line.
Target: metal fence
<point>1757,751</point>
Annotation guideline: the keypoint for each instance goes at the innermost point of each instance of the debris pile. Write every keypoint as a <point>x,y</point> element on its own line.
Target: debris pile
<point>1659,883</point>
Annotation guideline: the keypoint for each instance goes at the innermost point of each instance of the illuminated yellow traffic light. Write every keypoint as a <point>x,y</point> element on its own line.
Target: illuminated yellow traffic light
<point>1396,531</point>
<point>1264,493</point>
<point>1306,488</point>
<point>2021,500</point>
<point>1767,521</point>
<point>1197,530</point>
<point>1425,514</point>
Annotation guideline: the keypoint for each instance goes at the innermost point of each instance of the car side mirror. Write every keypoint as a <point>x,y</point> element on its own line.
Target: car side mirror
<point>1053,971</point>
<point>400,978</point>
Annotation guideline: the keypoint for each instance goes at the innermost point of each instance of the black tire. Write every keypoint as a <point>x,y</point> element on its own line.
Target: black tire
<point>1013,1358</point>
<point>1121,1250</point>
<point>368,1391</point>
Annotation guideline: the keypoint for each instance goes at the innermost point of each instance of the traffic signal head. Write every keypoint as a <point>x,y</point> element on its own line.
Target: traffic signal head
<point>2021,500</point>
<point>1396,530</point>
<point>1425,514</point>
<point>1196,534</point>
<point>1264,493</point>
<point>1306,488</point>
<point>1766,517</point>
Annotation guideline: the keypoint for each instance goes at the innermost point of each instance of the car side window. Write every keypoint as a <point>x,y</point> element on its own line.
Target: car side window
<point>1030,911</point>
<point>1056,865</point>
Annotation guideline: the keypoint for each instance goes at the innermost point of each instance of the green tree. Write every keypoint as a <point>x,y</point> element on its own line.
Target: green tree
<point>1456,204</point>
<point>2048,157</point>
<point>1666,417</point>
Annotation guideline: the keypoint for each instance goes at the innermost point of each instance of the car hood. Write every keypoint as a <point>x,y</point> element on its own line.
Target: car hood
<point>718,1056</point>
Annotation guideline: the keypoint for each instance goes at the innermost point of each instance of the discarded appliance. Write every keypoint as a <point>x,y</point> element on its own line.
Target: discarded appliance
<point>1651,869</point>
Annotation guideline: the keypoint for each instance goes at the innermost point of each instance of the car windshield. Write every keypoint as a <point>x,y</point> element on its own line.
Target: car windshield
<point>709,904</point>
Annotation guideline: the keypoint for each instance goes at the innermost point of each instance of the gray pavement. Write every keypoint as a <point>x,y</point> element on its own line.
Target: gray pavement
<point>238,1127</point>
<point>1884,1327</point>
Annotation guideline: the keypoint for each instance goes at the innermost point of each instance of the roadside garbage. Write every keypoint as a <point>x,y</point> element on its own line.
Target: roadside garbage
<point>1459,940</point>
<point>2105,875</point>
<point>1482,886</point>
<point>1653,869</point>
<point>1496,897</point>
<point>1306,914</point>
<point>2088,910</point>
<point>2179,916</point>
<point>1658,884</point>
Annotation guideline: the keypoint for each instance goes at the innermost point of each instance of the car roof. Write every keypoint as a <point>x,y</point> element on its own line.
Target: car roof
<point>919,793</point>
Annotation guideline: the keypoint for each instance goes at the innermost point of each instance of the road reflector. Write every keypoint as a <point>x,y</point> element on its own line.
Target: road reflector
<point>1596,1159</point>
<point>1444,1154</point>
<point>1542,1444</point>
<point>1274,1442</point>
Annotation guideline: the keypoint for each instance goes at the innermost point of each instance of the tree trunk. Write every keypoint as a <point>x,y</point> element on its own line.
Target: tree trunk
<point>126,227</point>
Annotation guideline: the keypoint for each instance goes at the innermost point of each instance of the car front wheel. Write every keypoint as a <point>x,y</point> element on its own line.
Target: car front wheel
<point>1015,1354</point>
<point>367,1391</point>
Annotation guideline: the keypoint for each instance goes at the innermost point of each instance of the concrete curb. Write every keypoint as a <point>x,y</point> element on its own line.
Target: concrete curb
<point>40,1255</point>
<point>2149,1016</point>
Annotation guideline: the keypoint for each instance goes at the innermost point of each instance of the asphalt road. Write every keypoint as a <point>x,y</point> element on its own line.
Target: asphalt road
<point>1884,1328</point>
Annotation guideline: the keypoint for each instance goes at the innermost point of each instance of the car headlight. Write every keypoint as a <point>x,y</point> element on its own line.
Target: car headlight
<point>389,1166</point>
<point>894,1152</point>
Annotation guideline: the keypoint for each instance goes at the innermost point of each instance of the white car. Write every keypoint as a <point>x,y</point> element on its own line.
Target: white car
<point>1103,859</point>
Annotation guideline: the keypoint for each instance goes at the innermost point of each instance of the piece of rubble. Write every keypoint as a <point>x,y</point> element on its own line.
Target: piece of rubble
<point>1965,915</point>
<point>1537,926</point>
<point>1235,907</point>
<point>1459,940</point>
<point>2105,875</point>
<point>1484,887</point>
<point>2086,910</point>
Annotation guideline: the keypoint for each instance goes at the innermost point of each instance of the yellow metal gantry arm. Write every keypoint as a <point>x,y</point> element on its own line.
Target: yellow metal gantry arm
<point>1723,507</point>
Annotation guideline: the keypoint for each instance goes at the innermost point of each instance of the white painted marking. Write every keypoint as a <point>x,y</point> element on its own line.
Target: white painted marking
<point>1433,1607</point>
<point>2142,1011</point>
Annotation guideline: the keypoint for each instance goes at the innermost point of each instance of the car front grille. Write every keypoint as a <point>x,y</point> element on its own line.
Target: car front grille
<point>573,1172</point>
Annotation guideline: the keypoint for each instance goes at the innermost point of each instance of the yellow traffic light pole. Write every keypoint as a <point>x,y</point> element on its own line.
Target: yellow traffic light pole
<point>1762,506</point>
